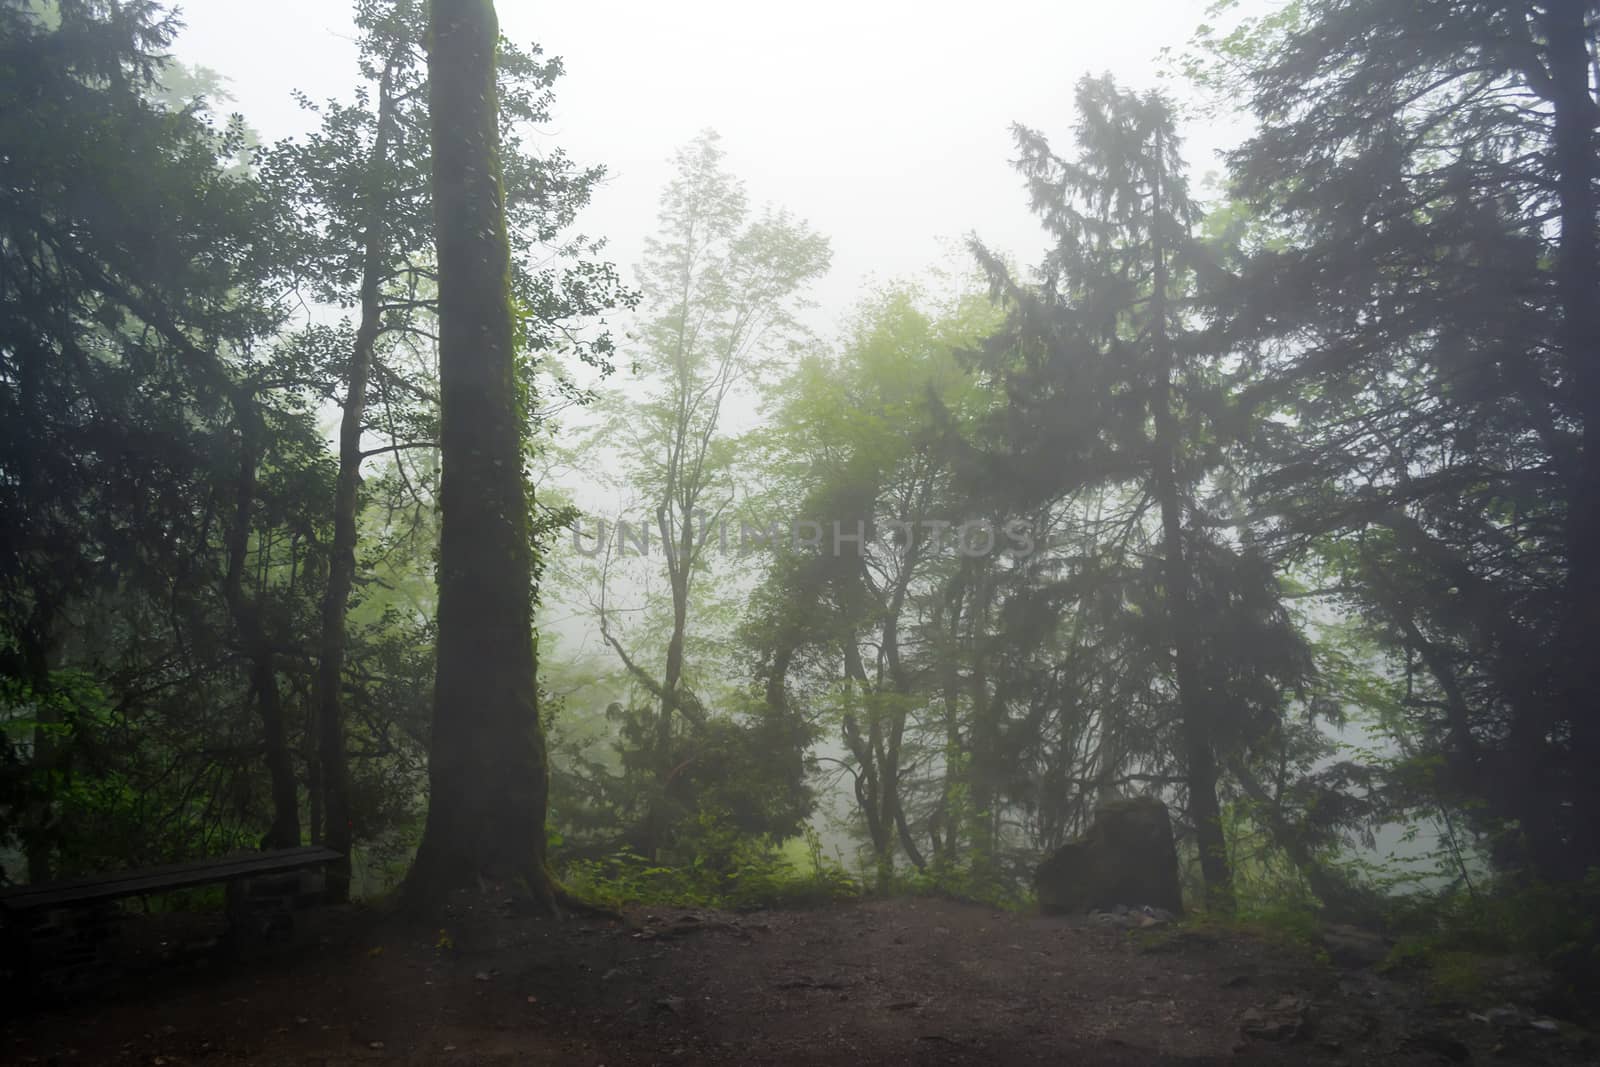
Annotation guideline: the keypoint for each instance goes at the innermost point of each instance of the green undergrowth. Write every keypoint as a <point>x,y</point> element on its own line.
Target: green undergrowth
<point>1268,906</point>
<point>1461,940</point>
<point>1290,926</point>
<point>964,885</point>
<point>751,876</point>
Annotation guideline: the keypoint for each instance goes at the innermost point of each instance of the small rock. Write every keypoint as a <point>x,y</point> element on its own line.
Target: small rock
<point>1505,1016</point>
<point>1282,1020</point>
<point>1351,946</point>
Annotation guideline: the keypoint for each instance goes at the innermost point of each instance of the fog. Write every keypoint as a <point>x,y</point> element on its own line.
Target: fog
<point>851,532</point>
<point>886,125</point>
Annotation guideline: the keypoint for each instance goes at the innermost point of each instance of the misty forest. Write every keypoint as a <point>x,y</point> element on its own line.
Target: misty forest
<point>426,636</point>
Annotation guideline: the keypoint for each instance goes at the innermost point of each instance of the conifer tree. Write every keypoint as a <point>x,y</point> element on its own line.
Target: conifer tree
<point>1112,374</point>
<point>1423,329</point>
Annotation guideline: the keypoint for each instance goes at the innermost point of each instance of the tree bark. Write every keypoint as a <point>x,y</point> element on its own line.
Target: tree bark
<point>947,819</point>
<point>1578,284</point>
<point>489,784</point>
<point>867,749</point>
<point>35,641</point>
<point>1193,705</point>
<point>254,639</point>
<point>38,817</point>
<point>334,770</point>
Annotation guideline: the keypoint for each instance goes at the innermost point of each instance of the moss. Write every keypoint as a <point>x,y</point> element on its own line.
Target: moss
<point>1458,976</point>
<point>488,773</point>
<point>1293,931</point>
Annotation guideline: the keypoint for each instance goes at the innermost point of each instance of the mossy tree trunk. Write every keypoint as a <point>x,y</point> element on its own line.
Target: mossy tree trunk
<point>488,779</point>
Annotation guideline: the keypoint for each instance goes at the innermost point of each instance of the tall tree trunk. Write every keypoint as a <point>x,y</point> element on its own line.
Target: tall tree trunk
<point>1193,704</point>
<point>36,640</point>
<point>983,738</point>
<point>680,549</point>
<point>333,765</point>
<point>285,829</point>
<point>254,639</point>
<point>38,819</point>
<point>1578,281</point>
<point>894,805</point>
<point>489,783</point>
<point>679,546</point>
<point>950,805</point>
<point>867,750</point>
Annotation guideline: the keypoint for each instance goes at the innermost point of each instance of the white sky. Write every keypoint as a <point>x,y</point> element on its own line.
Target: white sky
<point>884,123</point>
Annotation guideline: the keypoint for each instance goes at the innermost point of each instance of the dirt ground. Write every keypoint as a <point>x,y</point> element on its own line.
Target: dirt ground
<point>890,982</point>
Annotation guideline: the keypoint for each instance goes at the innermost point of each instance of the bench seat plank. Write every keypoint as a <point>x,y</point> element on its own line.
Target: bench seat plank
<point>162,879</point>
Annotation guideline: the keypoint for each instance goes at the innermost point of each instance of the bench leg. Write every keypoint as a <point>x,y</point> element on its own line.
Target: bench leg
<point>60,951</point>
<point>261,909</point>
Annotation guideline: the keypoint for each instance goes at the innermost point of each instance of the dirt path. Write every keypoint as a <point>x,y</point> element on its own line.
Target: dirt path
<point>908,981</point>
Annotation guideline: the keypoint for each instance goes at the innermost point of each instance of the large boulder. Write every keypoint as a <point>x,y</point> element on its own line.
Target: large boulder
<point>1127,857</point>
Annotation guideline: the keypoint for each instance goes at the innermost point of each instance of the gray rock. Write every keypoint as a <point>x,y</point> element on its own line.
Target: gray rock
<point>1126,855</point>
<point>1506,1016</point>
<point>1282,1020</point>
<point>1351,946</point>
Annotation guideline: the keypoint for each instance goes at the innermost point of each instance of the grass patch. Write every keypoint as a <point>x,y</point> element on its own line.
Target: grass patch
<point>757,877</point>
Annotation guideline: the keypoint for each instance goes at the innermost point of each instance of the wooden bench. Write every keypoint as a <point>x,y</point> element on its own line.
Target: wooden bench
<point>55,932</point>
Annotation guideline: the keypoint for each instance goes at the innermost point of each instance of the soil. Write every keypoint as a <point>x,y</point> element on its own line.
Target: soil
<point>881,982</point>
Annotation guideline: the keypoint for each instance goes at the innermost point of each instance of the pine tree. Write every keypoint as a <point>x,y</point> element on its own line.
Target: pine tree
<point>1112,376</point>
<point>1424,323</point>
